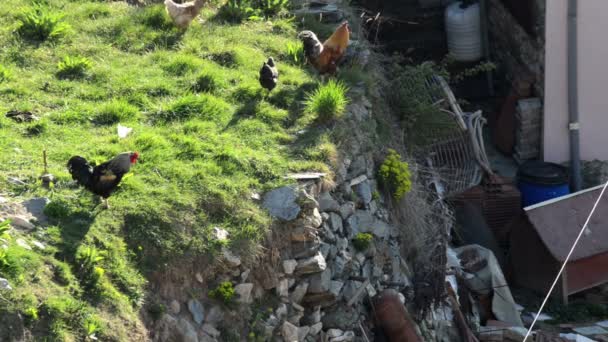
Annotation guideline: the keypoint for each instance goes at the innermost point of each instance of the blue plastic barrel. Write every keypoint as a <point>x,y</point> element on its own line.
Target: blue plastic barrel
<point>540,181</point>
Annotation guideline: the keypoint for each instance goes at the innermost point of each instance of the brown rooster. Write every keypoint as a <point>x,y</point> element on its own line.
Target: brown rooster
<point>325,57</point>
<point>183,14</point>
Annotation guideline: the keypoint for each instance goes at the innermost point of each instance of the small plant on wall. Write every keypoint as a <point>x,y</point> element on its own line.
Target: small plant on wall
<point>395,175</point>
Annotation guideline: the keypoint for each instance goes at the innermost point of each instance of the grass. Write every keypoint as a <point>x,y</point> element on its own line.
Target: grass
<point>328,101</point>
<point>206,135</point>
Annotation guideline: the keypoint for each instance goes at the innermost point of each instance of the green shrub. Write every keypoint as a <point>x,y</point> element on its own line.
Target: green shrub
<point>295,53</point>
<point>73,67</point>
<point>204,106</point>
<point>271,8</point>
<point>224,292</point>
<point>362,241</point>
<point>57,209</point>
<point>115,111</point>
<point>395,175</point>
<point>157,310</point>
<point>328,101</point>
<point>39,24</point>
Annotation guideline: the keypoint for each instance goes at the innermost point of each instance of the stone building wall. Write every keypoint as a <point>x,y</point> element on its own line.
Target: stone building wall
<point>517,52</point>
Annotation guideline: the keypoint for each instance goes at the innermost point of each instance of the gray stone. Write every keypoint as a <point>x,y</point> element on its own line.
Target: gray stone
<point>315,329</point>
<point>320,282</point>
<point>244,292</point>
<point>215,315</point>
<point>35,206</point>
<point>197,310</point>
<point>210,330</point>
<point>283,288</point>
<point>357,167</point>
<point>21,243</point>
<point>347,209</point>
<point>364,191</point>
<point>38,245</point>
<point>299,292</point>
<point>303,332</point>
<point>346,337</point>
<point>336,287</point>
<point>303,234</point>
<point>340,317</point>
<point>327,203</point>
<point>350,288</point>
<point>281,311</point>
<point>4,285</point>
<point>315,316</point>
<point>172,329</point>
<point>340,264</point>
<point>230,259</point>
<point>335,222</point>
<point>289,332</point>
<point>19,222</point>
<point>328,234</point>
<point>333,251</point>
<point>245,275</point>
<point>311,265</point>
<point>188,332</point>
<point>364,222</point>
<point>281,203</point>
<point>267,276</point>
<point>332,333</point>
<point>220,234</point>
<point>342,244</point>
<point>324,249</point>
<point>295,317</point>
<point>174,307</point>
<point>289,266</point>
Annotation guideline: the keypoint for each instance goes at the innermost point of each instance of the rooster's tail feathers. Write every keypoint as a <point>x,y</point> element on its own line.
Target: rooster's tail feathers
<point>80,170</point>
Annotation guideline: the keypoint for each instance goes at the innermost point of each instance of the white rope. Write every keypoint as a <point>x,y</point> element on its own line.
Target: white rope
<point>559,274</point>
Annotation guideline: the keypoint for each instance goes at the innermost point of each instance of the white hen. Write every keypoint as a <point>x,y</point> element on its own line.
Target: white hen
<point>183,14</point>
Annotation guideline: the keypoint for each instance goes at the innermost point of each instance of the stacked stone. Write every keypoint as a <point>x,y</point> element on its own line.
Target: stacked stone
<point>528,116</point>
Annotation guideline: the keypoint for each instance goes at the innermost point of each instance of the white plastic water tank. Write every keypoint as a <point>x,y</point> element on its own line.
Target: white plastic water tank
<point>463,30</point>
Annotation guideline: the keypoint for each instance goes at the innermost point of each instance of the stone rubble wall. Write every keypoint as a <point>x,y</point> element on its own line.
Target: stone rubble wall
<point>517,52</point>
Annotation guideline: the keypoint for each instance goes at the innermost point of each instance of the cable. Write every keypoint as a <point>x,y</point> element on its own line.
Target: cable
<point>559,274</point>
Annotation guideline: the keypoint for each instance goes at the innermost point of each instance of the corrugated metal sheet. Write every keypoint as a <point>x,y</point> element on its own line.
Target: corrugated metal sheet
<point>558,223</point>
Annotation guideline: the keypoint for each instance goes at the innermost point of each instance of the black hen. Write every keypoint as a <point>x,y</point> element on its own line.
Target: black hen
<point>102,179</point>
<point>269,75</point>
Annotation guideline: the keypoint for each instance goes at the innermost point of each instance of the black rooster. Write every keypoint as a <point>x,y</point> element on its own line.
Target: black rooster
<point>269,75</point>
<point>102,179</point>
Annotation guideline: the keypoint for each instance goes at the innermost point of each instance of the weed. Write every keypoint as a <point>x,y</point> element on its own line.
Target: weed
<point>5,74</point>
<point>362,241</point>
<point>39,24</point>
<point>30,314</point>
<point>295,53</point>
<point>4,262</point>
<point>395,175</point>
<point>236,11</point>
<point>157,310</point>
<point>5,226</point>
<point>115,111</point>
<point>73,67</point>
<point>208,82</point>
<point>90,273</point>
<point>57,209</point>
<point>376,195</point>
<point>328,101</point>
<point>37,127</point>
<point>224,292</point>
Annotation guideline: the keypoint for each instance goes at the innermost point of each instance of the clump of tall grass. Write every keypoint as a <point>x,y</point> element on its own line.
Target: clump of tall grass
<point>328,101</point>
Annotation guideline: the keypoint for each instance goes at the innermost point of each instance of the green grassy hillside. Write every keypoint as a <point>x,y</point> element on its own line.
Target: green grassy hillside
<point>207,135</point>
